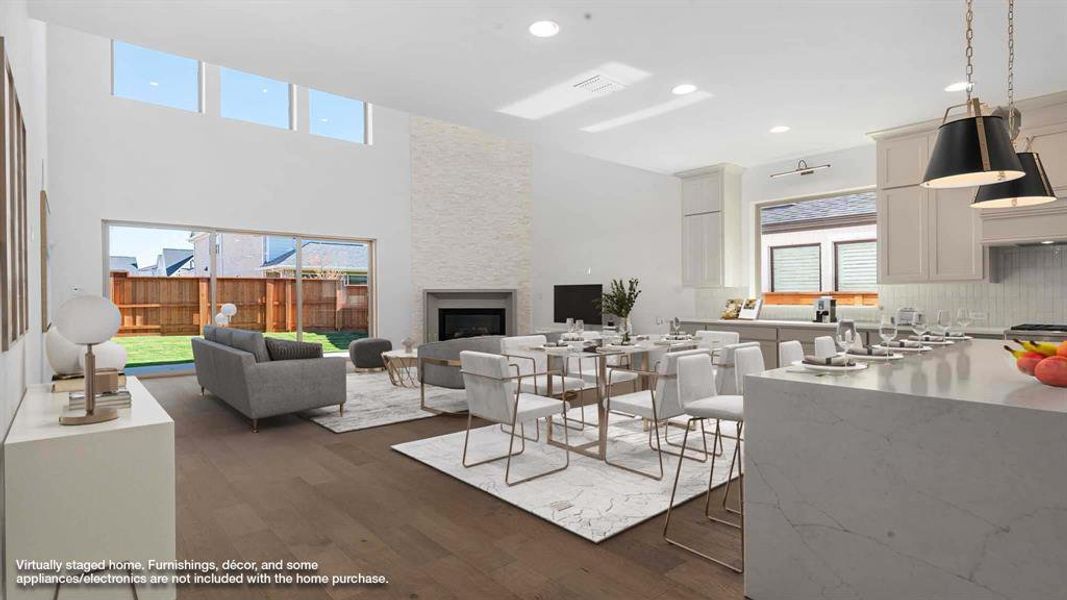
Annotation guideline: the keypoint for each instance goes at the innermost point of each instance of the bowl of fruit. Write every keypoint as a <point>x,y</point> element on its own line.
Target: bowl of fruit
<point>1046,361</point>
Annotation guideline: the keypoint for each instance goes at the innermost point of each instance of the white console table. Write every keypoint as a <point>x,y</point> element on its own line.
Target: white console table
<point>90,492</point>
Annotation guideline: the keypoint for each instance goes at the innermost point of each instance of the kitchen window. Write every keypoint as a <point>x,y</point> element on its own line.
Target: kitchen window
<point>856,266</point>
<point>796,268</point>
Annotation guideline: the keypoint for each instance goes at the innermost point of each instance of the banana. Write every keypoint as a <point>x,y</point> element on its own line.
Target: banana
<point>1043,348</point>
<point>1014,352</point>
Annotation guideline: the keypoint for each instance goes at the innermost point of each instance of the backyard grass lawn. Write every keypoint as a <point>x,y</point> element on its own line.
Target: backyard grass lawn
<point>146,350</point>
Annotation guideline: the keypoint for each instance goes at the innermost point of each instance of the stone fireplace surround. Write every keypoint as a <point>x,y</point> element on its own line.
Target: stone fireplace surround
<point>472,298</point>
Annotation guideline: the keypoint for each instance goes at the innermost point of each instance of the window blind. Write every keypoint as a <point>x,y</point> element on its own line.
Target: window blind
<point>857,266</point>
<point>795,268</point>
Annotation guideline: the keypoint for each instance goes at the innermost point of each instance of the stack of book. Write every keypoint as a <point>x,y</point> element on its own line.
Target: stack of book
<point>106,379</point>
<point>116,399</point>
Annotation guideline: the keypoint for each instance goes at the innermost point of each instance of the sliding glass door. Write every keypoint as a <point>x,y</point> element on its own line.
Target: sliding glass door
<point>170,282</point>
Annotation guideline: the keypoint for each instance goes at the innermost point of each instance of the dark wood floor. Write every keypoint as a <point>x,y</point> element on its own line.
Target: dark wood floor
<point>296,491</point>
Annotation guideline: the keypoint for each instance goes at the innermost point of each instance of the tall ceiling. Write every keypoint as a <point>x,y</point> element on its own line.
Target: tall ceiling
<point>831,70</point>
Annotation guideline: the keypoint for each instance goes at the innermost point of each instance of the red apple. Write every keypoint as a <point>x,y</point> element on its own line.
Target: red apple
<point>1027,361</point>
<point>1052,371</point>
<point>1061,350</point>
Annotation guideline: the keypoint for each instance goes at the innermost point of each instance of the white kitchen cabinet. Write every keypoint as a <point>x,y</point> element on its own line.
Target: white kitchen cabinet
<point>711,226</point>
<point>954,235</point>
<point>902,161</point>
<point>902,235</point>
<point>702,194</point>
<point>1050,143</point>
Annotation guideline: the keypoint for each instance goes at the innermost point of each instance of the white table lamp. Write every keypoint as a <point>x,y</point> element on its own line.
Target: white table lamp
<point>229,309</point>
<point>88,320</point>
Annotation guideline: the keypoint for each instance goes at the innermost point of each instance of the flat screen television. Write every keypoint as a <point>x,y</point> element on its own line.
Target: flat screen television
<point>576,302</point>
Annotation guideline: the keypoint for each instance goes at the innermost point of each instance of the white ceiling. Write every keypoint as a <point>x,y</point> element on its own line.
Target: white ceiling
<point>830,69</point>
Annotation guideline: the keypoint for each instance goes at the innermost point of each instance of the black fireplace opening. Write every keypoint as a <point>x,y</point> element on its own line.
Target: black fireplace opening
<point>453,323</point>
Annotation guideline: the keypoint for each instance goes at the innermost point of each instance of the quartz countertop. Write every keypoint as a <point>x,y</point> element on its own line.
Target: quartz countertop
<point>861,325</point>
<point>979,371</point>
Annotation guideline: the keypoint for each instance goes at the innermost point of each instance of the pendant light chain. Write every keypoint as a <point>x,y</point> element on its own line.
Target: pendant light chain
<point>1011,68</point>
<point>969,53</point>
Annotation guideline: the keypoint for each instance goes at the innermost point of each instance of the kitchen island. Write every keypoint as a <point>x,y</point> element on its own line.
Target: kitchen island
<point>942,475</point>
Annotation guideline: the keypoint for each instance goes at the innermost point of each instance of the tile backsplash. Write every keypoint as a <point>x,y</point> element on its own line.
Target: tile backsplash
<point>1027,284</point>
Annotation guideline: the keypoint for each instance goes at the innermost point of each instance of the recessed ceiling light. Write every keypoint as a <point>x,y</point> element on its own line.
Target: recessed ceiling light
<point>779,129</point>
<point>544,29</point>
<point>153,83</point>
<point>683,88</point>
<point>1048,242</point>
<point>959,86</point>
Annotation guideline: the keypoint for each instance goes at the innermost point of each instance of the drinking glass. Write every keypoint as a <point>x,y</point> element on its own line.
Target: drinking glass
<point>570,324</point>
<point>963,319</point>
<point>944,322</point>
<point>919,324</point>
<point>579,326</point>
<point>887,329</point>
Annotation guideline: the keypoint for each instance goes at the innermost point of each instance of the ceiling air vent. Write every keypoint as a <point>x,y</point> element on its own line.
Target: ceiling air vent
<point>599,85</point>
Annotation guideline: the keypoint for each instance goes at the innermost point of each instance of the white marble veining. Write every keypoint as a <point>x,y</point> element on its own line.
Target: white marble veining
<point>590,498</point>
<point>939,476</point>
<point>373,401</point>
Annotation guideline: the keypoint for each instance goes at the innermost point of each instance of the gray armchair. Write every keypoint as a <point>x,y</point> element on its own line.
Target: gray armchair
<point>234,365</point>
<point>439,364</point>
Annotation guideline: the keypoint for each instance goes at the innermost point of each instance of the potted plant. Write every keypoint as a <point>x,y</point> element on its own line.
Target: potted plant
<point>619,301</point>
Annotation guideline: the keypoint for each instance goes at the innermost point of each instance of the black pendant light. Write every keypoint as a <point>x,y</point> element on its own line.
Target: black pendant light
<point>974,150</point>
<point>1034,187</point>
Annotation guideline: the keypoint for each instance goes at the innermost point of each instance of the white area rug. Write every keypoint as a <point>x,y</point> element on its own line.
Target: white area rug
<point>373,401</point>
<point>590,498</point>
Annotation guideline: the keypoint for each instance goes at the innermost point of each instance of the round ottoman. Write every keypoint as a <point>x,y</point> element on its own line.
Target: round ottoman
<point>367,353</point>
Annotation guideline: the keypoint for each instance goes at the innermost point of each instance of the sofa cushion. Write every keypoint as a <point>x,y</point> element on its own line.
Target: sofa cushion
<point>251,342</point>
<point>292,350</point>
<point>224,336</point>
<point>210,333</point>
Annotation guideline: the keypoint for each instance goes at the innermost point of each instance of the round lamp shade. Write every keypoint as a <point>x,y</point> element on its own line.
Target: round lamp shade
<point>222,320</point>
<point>62,353</point>
<point>88,319</point>
<point>970,152</point>
<point>229,309</point>
<point>109,355</point>
<point>1032,189</point>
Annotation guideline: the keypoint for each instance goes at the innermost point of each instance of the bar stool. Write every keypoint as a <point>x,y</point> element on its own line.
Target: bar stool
<point>789,352</point>
<point>696,381</point>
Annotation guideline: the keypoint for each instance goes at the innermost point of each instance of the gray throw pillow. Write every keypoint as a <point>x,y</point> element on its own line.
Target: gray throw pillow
<point>292,350</point>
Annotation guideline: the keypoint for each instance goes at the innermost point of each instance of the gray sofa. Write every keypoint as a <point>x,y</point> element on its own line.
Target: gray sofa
<point>439,363</point>
<point>234,365</point>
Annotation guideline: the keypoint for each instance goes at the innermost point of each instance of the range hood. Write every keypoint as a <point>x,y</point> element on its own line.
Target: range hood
<point>1026,225</point>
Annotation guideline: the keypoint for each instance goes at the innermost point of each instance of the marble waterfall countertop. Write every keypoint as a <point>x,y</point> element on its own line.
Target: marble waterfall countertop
<point>937,476</point>
<point>861,325</point>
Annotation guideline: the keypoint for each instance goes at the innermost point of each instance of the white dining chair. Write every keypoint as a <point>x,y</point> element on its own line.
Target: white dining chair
<point>656,405</point>
<point>714,340</point>
<point>520,352</point>
<point>494,394</point>
<point>696,379</point>
<point>726,380</point>
<point>789,352</point>
<point>825,347</point>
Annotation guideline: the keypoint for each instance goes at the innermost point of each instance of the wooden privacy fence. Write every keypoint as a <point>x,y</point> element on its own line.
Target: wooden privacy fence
<point>182,305</point>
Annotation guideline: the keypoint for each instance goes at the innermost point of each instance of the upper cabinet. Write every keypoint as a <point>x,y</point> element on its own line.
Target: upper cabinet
<point>711,226</point>
<point>902,161</point>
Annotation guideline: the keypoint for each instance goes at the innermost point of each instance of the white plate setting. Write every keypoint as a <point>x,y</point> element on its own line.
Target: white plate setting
<point>899,349</point>
<point>874,357</point>
<point>830,368</point>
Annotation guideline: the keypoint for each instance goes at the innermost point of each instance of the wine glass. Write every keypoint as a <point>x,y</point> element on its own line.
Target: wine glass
<point>887,329</point>
<point>579,326</point>
<point>570,324</point>
<point>919,324</point>
<point>944,322</point>
<point>963,320</point>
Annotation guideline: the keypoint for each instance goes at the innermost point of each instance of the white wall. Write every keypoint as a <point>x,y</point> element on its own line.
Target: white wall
<point>120,159</point>
<point>24,42</point>
<point>594,221</point>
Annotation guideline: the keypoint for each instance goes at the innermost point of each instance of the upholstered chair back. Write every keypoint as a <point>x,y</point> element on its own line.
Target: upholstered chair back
<point>789,352</point>
<point>716,339</point>
<point>726,380</point>
<point>696,378</point>
<point>748,361</point>
<point>532,362</point>
<point>668,399</point>
<point>825,347</point>
<point>490,395</point>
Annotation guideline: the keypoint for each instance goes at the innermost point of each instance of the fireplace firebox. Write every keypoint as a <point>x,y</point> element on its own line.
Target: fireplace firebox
<point>455,323</point>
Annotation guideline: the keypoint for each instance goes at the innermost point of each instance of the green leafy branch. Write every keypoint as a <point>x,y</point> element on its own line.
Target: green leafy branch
<point>620,299</point>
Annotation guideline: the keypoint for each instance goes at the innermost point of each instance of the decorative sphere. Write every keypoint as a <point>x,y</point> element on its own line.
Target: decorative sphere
<point>229,309</point>
<point>222,320</point>
<point>62,353</point>
<point>88,319</point>
<point>109,355</point>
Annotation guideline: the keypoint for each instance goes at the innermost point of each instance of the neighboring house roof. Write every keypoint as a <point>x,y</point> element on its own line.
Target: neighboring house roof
<point>338,256</point>
<point>174,259</point>
<point>841,209</point>
<point>123,263</point>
